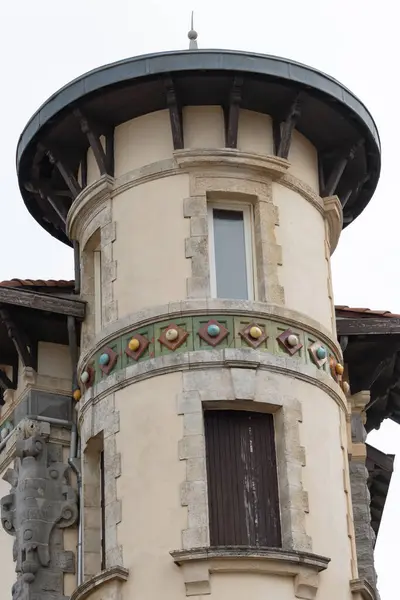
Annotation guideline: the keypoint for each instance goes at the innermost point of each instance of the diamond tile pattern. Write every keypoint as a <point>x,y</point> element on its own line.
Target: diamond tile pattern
<point>254,343</point>
<point>173,345</point>
<point>313,353</point>
<point>282,341</point>
<point>144,344</point>
<point>111,364</point>
<point>213,340</point>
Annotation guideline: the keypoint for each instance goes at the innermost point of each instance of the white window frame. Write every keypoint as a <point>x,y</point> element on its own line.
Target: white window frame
<point>247,210</point>
<point>98,320</point>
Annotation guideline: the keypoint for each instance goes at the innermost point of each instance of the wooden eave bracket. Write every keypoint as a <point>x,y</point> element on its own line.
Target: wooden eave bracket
<point>22,345</point>
<point>232,113</point>
<point>40,301</point>
<point>282,131</point>
<point>175,114</point>
<point>104,159</point>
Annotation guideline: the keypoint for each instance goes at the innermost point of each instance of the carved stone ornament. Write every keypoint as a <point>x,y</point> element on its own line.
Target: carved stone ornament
<point>41,502</point>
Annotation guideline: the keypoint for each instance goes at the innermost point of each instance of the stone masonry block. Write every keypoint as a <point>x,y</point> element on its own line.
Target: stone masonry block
<point>199,226</point>
<point>243,383</point>
<point>193,424</point>
<point>193,493</point>
<point>198,287</point>
<point>192,446</point>
<point>196,469</point>
<point>189,402</point>
<point>194,538</point>
<point>194,206</point>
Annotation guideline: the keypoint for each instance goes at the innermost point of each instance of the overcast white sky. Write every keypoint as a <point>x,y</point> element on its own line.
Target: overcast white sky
<point>44,44</point>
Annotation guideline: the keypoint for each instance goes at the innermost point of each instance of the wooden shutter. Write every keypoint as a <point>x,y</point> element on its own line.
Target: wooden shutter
<point>242,479</point>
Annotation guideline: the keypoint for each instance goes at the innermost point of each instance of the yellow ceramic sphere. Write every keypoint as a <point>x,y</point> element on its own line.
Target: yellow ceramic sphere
<point>339,369</point>
<point>134,345</point>
<point>77,395</point>
<point>255,332</point>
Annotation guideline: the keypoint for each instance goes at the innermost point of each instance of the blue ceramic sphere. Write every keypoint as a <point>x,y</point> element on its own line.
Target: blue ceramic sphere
<point>213,330</point>
<point>104,359</point>
<point>321,353</point>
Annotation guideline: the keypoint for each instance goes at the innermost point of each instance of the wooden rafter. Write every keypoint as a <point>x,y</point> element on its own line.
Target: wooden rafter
<point>339,167</point>
<point>175,114</point>
<point>19,339</point>
<point>232,113</point>
<point>94,140</point>
<point>40,301</point>
<point>64,170</point>
<point>283,131</point>
<point>6,383</point>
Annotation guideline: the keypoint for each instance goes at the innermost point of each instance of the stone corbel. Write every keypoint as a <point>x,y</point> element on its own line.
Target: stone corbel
<point>362,590</point>
<point>198,564</point>
<point>272,166</point>
<point>334,218</point>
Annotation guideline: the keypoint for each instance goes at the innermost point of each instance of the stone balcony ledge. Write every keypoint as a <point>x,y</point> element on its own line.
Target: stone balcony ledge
<point>197,565</point>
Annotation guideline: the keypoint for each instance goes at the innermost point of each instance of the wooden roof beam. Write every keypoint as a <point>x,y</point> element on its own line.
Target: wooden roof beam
<point>175,114</point>
<point>39,301</point>
<point>339,168</point>
<point>368,326</point>
<point>65,172</point>
<point>19,339</point>
<point>283,131</point>
<point>89,130</point>
<point>232,113</point>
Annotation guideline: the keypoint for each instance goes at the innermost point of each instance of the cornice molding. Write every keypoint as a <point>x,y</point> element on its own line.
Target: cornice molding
<point>268,165</point>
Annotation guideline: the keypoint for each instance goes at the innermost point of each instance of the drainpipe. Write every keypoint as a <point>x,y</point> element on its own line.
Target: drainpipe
<point>74,462</point>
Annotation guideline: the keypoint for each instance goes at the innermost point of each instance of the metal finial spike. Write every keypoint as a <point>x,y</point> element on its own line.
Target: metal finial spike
<point>192,35</point>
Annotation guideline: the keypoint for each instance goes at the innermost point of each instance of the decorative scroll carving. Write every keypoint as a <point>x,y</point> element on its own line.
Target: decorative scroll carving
<point>41,502</point>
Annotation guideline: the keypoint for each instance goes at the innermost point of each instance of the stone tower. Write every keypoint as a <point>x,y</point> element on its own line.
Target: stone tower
<point>204,193</point>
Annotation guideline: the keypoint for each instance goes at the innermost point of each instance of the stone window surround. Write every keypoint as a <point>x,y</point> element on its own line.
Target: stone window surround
<point>103,419</point>
<point>241,389</point>
<point>197,566</point>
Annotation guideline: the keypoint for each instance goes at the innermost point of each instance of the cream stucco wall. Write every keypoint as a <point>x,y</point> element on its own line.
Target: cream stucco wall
<point>149,487</point>
<point>303,160</point>
<point>142,141</point>
<point>7,568</point>
<point>255,132</point>
<point>54,360</point>
<point>203,127</point>
<point>304,272</point>
<point>150,244</point>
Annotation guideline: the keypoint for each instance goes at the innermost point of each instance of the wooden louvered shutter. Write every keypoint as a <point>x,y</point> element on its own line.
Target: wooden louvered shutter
<point>242,479</point>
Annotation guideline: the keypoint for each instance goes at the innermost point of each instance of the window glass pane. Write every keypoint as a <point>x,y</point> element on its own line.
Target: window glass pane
<point>230,254</point>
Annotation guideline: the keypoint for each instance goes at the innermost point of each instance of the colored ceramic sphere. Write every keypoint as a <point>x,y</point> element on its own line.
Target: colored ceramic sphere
<point>346,387</point>
<point>77,395</point>
<point>255,332</point>
<point>171,335</point>
<point>339,369</point>
<point>104,359</point>
<point>134,344</point>
<point>84,377</point>
<point>321,353</point>
<point>213,330</point>
<point>292,340</point>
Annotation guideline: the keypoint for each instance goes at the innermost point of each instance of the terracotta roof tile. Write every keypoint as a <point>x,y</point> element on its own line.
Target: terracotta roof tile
<point>364,312</point>
<point>61,283</point>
